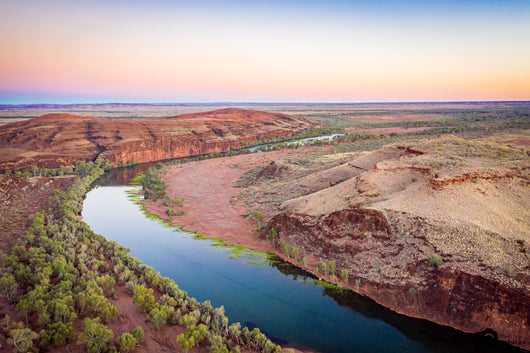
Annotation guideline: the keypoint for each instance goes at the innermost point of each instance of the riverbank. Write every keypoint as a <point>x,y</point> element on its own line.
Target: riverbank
<point>210,189</point>
<point>211,198</point>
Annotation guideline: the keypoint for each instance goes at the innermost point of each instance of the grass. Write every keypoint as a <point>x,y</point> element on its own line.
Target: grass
<point>321,283</point>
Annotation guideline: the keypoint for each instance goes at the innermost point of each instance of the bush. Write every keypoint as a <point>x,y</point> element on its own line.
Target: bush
<point>126,342</point>
<point>345,275</point>
<point>435,260</point>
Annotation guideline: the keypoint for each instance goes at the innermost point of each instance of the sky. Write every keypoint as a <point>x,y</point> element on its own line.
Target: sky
<point>162,51</point>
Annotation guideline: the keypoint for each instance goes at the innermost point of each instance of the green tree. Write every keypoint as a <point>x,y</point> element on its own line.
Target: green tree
<point>25,307</point>
<point>217,345</point>
<point>143,297</point>
<point>187,320</point>
<point>127,342</point>
<point>295,252</point>
<point>332,267</point>
<point>106,282</point>
<point>345,275</point>
<point>192,336</point>
<point>57,334</point>
<point>22,339</point>
<point>95,335</point>
<point>108,312</point>
<point>138,333</point>
<point>95,303</point>
<point>159,315</point>
<point>8,285</point>
<point>61,310</point>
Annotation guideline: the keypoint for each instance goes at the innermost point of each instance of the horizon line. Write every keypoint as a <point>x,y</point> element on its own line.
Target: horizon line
<point>272,103</point>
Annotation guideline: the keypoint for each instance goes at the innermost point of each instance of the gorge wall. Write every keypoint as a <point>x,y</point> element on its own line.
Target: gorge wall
<point>61,139</point>
<point>385,267</point>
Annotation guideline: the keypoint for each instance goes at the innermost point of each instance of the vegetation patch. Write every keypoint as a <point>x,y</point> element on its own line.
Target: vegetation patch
<point>60,272</point>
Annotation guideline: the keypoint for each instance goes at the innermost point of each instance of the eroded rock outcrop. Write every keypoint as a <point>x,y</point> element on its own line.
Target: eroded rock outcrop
<point>59,139</point>
<point>439,231</point>
<point>395,271</point>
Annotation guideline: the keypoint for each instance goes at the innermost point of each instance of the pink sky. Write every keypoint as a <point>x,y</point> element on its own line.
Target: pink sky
<point>165,52</point>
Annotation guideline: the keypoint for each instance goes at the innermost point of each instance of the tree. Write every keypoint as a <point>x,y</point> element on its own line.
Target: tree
<point>25,307</point>
<point>108,312</point>
<point>143,297</point>
<point>217,345</point>
<point>138,333</point>
<point>192,336</point>
<point>295,252</point>
<point>95,303</point>
<point>332,267</point>
<point>127,342</point>
<point>61,310</point>
<point>106,282</point>
<point>8,285</point>
<point>235,329</point>
<point>258,217</point>
<point>95,335</point>
<point>57,334</point>
<point>159,315</point>
<point>22,339</point>
<point>345,275</point>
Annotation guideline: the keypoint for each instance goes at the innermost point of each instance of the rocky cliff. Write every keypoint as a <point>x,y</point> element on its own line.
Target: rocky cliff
<point>59,139</point>
<point>395,272</point>
<point>438,230</point>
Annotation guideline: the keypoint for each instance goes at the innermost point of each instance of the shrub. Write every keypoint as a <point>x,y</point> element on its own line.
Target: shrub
<point>510,271</point>
<point>435,260</point>
<point>127,342</point>
<point>345,275</point>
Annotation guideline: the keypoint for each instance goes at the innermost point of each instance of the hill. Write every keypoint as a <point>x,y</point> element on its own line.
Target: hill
<point>62,139</point>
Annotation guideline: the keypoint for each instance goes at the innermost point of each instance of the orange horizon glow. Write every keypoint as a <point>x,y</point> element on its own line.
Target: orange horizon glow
<point>92,50</point>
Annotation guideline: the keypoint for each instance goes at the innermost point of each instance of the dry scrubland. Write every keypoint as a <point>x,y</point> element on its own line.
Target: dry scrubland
<point>430,218</point>
<point>354,112</point>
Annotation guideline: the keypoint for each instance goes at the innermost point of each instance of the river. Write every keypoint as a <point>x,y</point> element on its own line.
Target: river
<point>300,142</point>
<point>258,289</point>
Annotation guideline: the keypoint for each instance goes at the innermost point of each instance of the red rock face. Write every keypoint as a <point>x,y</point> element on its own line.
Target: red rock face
<point>362,241</point>
<point>58,139</point>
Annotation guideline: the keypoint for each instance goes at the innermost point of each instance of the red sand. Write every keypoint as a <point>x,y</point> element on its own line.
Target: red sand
<point>210,198</point>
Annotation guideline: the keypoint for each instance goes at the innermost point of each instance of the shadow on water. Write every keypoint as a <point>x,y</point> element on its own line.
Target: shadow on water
<point>437,337</point>
<point>123,175</point>
<point>275,340</point>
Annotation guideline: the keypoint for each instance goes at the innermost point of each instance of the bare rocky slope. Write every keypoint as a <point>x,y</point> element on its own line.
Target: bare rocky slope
<point>437,229</point>
<point>61,139</point>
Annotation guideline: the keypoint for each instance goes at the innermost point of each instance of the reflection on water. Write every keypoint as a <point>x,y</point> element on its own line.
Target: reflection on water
<point>300,142</point>
<point>260,290</point>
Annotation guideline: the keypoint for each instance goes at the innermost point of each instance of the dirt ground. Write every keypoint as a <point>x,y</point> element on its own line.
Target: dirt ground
<point>210,195</point>
<point>20,199</point>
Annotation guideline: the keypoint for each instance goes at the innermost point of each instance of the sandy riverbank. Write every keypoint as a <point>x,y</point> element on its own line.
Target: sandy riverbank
<point>211,202</point>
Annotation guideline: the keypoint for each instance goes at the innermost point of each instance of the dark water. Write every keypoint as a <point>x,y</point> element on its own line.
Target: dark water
<point>259,290</point>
